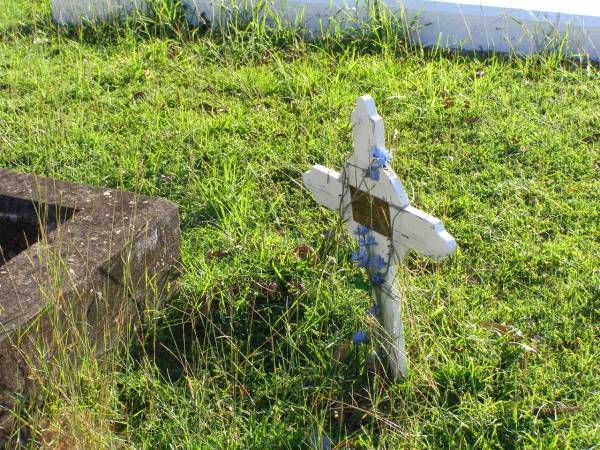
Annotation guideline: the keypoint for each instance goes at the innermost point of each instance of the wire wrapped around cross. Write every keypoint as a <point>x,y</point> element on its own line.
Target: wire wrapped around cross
<point>372,201</point>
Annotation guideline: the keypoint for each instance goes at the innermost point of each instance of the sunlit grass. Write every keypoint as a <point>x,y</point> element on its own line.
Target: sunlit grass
<point>253,351</point>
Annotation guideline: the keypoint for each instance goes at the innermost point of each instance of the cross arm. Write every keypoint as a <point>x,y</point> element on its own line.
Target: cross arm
<point>415,229</point>
<point>325,185</point>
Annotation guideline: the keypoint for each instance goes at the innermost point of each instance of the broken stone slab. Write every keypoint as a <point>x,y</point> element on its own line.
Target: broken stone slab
<point>75,260</point>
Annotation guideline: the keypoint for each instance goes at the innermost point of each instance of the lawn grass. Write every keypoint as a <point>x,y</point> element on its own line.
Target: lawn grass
<point>253,352</point>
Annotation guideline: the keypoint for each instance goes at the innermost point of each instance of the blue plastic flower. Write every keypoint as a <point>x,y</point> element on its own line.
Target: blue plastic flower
<point>377,279</point>
<point>362,230</point>
<point>373,173</point>
<point>360,337</point>
<point>373,310</point>
<point>376,263</point>
<point>366,241</point>
<point>381,158</point>
<point>360,256</point>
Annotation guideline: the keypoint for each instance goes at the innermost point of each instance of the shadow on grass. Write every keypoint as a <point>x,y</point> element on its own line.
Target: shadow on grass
<point>256,329</point>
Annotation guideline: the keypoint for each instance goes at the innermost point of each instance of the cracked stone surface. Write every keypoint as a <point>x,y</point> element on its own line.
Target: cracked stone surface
<point>101,258</point>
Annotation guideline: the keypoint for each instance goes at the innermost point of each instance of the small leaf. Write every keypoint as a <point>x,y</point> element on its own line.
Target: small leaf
<point>341,352</point>
<point>298,287</point>
<point>304,251</point>
<point>173,50</point>
<point>554,411</point>
<point>590,139</point>
<point>217,254</point>
<point>497,327</point>
<point>502,330</point>
<point>526,347</point>
<point>266,288</point>
<point>244,391</point>
<point>448,101</point>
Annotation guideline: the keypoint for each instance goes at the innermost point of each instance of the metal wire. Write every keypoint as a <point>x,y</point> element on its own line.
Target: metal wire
<point>387,286</point>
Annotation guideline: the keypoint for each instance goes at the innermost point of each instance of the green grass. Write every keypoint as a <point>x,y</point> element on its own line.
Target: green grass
<point>253,352</point>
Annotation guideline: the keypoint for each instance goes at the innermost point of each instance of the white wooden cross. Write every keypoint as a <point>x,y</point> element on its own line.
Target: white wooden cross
<point>368,193</point>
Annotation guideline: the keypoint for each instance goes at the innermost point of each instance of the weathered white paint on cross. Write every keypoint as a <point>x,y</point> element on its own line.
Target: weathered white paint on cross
<point>379,202</point>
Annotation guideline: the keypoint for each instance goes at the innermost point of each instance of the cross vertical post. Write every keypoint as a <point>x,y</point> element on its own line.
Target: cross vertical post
<point>373,203</point>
